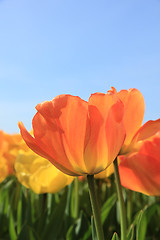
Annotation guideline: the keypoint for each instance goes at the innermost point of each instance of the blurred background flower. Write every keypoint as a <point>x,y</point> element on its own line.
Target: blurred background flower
<point>10,144</point>
<point>39,174</point>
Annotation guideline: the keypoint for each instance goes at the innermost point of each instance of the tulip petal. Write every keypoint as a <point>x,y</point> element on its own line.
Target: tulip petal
<point>39,146</point>
<point>153,144</point>
<point>105,115</point>
<point>106,173</point>
<point>141,171</point>
<point>147,131</point>
<point>115,130</point>
<point>134,112</point>
<point>67,118</point>
<point>39,174</point>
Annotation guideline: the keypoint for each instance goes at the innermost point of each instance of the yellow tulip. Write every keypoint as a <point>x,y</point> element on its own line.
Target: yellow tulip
<point>38,174</point>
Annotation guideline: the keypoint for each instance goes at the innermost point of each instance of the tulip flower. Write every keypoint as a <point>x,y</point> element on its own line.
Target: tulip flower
<point>4,171</point>
<point>76,136</point>
<point>133,103</point>
<point>140,171</point>
<point>136,136</point>
<point>136,133</point>
<point>133,166</point>
<point>134,108</point>
<point>9,146</point>
<point>39,174</point>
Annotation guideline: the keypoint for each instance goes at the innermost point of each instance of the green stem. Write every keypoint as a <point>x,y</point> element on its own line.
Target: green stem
<point>75,198</point>
<point>129,206</point>
<point>95,207</point>
<point>121,201</point>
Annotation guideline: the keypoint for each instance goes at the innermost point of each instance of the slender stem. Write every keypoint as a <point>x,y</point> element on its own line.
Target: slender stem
<point>69,190</point>
<point>95,207</point>
<point>129,206</point>
<point>76,198</point>
<point>121,201</point>
<point>99,191</point>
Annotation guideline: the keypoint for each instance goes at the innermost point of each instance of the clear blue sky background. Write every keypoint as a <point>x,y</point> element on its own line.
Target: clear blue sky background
<point>79,47</point>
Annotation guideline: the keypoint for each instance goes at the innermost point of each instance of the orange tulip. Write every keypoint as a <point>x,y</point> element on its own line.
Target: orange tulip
<point>4,170</point>
<point>136,134</point>
<point>134,107</point>
<point>9,145</point>
<point>140,171</point>
<point>138,168</point>
<point>78,137</point>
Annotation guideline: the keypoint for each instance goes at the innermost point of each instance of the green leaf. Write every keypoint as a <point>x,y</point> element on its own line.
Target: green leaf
<point>107,206</point>
<point>143,221</point>
<point>115,236</point>
<point>53,228</point>
<point>12,230</point>
<point>19,213</point>
<point>94,234</point>
<point>27,233</point>
<point>130,235</point>
<point>80,229</point>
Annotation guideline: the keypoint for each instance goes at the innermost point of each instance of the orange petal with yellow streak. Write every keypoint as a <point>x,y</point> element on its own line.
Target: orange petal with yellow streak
<point>39,146</point>
<point>134,108</point>
<point>105,115</point>
<point>67,119</point>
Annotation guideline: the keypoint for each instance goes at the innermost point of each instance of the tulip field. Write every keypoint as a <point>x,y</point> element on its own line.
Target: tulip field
<point>67,214</point>
<point>85,171</point>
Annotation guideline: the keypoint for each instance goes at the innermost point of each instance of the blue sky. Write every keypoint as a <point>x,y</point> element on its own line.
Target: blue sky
<point>78,47</point>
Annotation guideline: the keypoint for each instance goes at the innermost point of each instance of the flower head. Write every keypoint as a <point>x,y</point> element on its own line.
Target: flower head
<point>38,174</point>
<point>136,133</point>
<point>134,107</point>
<point>140,171</point>
<point>78,137</point>
<point>9,146</point>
